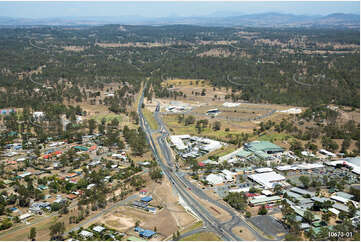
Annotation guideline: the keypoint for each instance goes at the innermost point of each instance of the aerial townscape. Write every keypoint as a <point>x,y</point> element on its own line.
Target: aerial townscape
<point>224,127</point>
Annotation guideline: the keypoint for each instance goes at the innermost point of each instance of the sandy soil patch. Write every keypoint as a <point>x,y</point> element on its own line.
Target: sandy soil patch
<point>118,221</point>
<point>278,216</point>
<point>245,234</point>
<point>163,195</point>
<point>216,53</point>
<point>74,48</point>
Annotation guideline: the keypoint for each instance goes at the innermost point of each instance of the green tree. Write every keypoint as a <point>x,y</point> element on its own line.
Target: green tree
<point>92,125</point>
<point>57,230</point>
<point>262,210</point>
<point>32,234</point>
<point>305,181</point>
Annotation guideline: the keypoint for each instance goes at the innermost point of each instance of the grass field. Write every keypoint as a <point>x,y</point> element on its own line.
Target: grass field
<point>220,152</point>
<point>108,117</point>
<point>204,236</point>
<point>194,226</point>
<point>186,82</point>
<point>150,118</point>
<point>273,137</point>
<point>180,128</point>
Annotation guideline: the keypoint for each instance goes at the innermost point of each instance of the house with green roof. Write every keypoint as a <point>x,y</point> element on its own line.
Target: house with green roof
<point>81,148</point>
<point>243,153</point>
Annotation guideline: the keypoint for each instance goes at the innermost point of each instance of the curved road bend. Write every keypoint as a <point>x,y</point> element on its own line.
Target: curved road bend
<point>236,220</point>
<point>180,183</point>
<point>199,210</point>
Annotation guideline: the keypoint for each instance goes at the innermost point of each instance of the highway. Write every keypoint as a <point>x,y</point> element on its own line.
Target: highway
<point>182,186</point>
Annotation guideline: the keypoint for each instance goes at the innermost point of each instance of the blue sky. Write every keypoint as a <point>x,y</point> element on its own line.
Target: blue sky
<point>164,9</point>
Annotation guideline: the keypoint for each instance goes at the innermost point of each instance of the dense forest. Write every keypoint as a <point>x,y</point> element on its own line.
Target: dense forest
<point>296,66</point>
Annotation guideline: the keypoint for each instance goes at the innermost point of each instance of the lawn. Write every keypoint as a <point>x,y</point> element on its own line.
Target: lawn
<point>194,226</point>
<point>150,118</point>
<point>204,236</point>
<point>108,117</point>
<point>274,137</point>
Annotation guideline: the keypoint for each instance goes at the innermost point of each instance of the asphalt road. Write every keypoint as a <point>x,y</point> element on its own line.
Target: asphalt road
<point>236,219</point>
<point>182,185</point>
<point>209,221</point>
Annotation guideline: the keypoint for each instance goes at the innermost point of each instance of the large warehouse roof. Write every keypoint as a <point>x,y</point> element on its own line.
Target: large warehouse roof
<point>178,142</point>
<point>264,146</point>
<point>263,199</point>
<point>267,179</point>
<point>214,179</point>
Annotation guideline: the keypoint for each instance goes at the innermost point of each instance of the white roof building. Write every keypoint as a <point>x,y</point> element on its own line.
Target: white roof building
<point>265,169</point>
<point>306,153</point>
<point>286,168</point>
<point>267,179</point>
<point>212,162</point>
<point>292,111</point>
<point>334,211</point>
<point>304,166</point>
<point>214,179</point>
<point>308,166</point>
<point>355,168</point>
<point>267,192</point>
<point>211,145</point>
<point>328,153</point>
<point>230,105</point>
<point>228,175</point>
<point>86,234</point>
<point>98,229</point>
<point>25,174</point>
<point>25,216</point>
<point>38,115</point>
<point>243,189</point>
<point>178,142</point>
<point>90,186</point>
<point>339,199</point>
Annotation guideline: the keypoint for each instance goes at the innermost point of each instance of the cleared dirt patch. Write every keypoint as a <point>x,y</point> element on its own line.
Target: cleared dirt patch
<point>118,221</point>
<point>74,48</point>
<point>245,234</point>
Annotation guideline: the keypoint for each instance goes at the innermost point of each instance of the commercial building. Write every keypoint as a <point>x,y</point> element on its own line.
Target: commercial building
<point>344,195</point>
<point>268,179</point>
<point>352,163</point>
<point>98,229</point>
<point>339,199</point>
<point>263,146</point>
<point>265,169</point>
<point>302,191</point>
<point>214,179</point>
<point>177,141</point>
<point>328,153</point>
<point>304,166</point>
<point>86,234</point>
<point>261,200</point>
<point>25,216</point>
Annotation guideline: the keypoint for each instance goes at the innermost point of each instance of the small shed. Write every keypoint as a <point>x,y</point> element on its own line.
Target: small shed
<point>147,233</point>
<point>146,199</point>
<point>98,229</point>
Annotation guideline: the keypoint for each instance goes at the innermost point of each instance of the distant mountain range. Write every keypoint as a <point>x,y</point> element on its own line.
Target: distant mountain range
<point>336,20</point>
